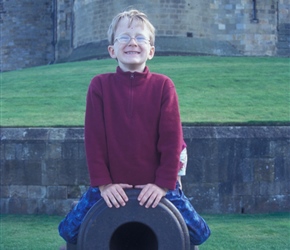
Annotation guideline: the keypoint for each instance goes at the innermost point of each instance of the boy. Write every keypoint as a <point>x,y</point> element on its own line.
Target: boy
<point>133,133</point>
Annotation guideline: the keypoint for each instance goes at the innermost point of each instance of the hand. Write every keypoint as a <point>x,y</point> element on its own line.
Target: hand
<point>151,194</point>
<point>114,194</point>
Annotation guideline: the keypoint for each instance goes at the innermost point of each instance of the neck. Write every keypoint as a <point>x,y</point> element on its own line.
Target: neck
<point>133,68</point>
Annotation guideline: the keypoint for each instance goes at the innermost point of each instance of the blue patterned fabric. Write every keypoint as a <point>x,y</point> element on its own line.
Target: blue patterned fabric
<point>69,227</point>
<point>197,227</point>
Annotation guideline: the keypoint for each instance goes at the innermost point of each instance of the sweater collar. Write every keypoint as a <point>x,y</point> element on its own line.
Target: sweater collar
<point>145,73</point>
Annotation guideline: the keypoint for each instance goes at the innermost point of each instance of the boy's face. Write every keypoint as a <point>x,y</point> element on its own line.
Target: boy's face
<point>131,55</point>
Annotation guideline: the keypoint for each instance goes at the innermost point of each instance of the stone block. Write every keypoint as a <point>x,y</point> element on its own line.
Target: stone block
<point>226,188</point>
<point>68,172</point>
<point>50,171</point>
<point>280,147</point>
<point>35,134</point>
<point>270,204</point>
<point>17,205</point>
<point>204,197</point>
<point>61,207</point>
<point>9,151</point>
<point>13,172</point>
<point>203,148</point>
<point>82,173</point>
<point>285,187</point>
<point>32,172</point>
<point>269,188</point>
<point>4,208</point>
<point>264,170</point>
<point>229,6</point>
<point>260,148</point>
<point>82,151</point>
<point>280,169</point>
<point>4,192</point>
<point>197,133</point>
<point>246,189</point>
<point>70,150</point>
<point>194,173</point>
<point>245,171</point>
<point>19,151</point>
<point>56,192</point>
<point>241,148</point>
<point>226,159</point>
<point>211,171</point>
<point>56,134</point>
<point>246,204</point>
<point>75,134</point>
<point>2,151</point>
<point>54,150</point>
<point>18,191</point>
<point>47,206</point>
<point>36,192</point>
<point>33,206</point>
<point>283,52</point>
<point>75,192</point>
<point>228,203</point>
<point>34,150</point>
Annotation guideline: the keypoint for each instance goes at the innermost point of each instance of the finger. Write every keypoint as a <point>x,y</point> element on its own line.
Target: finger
<point>151,199</point>
<point>145,198</point>
<point>144,195</point>
<point>114,201</point>
<point>122,196</point>
<point>107,200</point>
<point>156,201</point>
<point>126,185</point>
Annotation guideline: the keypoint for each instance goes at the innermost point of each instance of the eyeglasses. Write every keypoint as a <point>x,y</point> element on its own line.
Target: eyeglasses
<point>126,39</point>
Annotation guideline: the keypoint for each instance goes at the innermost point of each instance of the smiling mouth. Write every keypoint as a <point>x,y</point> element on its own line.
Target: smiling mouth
<point>132,52</point>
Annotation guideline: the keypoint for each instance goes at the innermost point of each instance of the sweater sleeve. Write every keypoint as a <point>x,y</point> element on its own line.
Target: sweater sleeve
<point>95,136</point>
<point>170,139</point>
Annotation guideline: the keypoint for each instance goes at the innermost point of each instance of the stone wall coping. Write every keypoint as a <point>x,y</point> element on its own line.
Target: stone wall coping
<point>237,132</point>
<point>77,133</point>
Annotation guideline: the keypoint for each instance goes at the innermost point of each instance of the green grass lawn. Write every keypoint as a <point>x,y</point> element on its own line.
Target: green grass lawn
<point>229,232</point>
<point>217,90</point>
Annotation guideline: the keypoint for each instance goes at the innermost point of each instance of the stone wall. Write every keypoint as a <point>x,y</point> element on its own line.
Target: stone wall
<point>230,169</point>
<point>26,34</point>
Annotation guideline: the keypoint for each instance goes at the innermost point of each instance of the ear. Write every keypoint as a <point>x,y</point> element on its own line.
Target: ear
<point>151,52</point>
<point>112,51</point>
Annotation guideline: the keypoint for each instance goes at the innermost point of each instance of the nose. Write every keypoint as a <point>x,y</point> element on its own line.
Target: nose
<point>133,41</point>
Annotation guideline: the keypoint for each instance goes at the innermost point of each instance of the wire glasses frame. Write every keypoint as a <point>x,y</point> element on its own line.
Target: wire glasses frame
<point>125,39</point>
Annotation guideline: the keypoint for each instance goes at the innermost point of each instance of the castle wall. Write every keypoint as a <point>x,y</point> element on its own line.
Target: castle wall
<point>63,29</point>
<point>283,28</point>
<point>225,27</point>
<point>26,34</point>
<point>47,31</point>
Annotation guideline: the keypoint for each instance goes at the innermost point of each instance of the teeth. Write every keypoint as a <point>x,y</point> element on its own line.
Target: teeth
<point>131,52</point>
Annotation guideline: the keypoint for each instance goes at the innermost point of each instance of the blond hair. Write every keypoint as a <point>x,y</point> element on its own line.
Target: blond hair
<point>131,15</point>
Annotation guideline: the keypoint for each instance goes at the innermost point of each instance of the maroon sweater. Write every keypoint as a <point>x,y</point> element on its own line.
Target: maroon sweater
<point>133,131</point>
